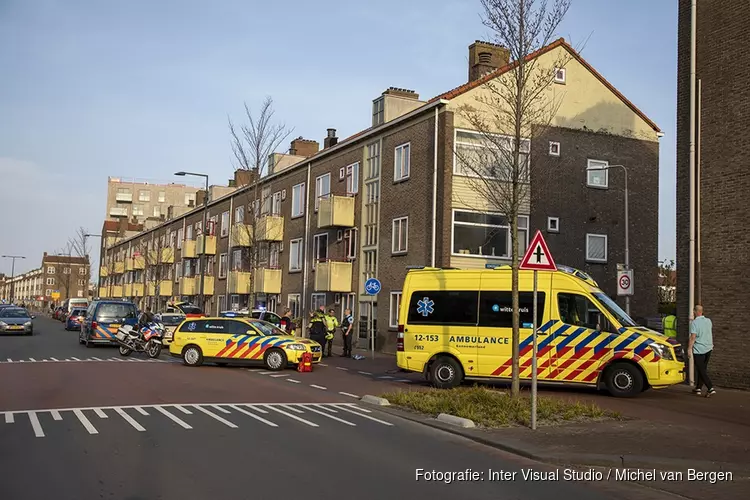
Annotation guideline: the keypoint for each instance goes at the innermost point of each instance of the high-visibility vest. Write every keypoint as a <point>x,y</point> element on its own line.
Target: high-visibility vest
<point>331,322</point>
<point>670,326</point>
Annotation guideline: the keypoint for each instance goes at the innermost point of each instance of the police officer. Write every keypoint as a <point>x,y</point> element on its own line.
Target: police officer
<point>331,324</point>
<point>346,329</point>
<point>669,323</point>
<point>318,327</point>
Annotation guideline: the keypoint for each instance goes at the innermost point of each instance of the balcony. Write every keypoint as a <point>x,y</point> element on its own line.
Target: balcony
<point>336,211</point>
<point>210,245</point>
<point>127,290</point>
<point>267,280</point>
<point>124,197</point>
<point>151,288</point>
<point>167,255</point>
<point>139,262</point>
<point>331,276</point>
<point>138,290</point>
<point>242,235</point>
<point>240,282</point>
<point>165,288</point>
<point>118,212</point>
<point>116,291</point>
<point>208,286</point>
<point>120,267</point>
<point>271,228</point>
<point>188,249</point>
<point>187,286</point>
<point>103,272</point>
<point>103,291</point>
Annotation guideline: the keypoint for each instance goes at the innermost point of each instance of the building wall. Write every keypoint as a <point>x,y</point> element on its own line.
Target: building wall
<point>723,66</point>
<point>174,195</point>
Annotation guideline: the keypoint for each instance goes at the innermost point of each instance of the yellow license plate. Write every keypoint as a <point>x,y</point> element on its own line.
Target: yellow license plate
<point>15,328</point>
<point>114,325</point>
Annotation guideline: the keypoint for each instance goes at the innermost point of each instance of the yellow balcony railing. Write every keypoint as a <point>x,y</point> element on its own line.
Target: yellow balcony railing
<point>270,228</point>
<point>167,255</point>
<point>208,286</point>
<point>151,288</point>
<point>331,276</point>
<point>103,292</point>
<point>127,290</point>
<point>138,290</point>
<point>139,262</point>
<point>188,249</point>
<point>165,289</point>
<point>128,264</point>
<point>336,211</point>
<point>119,267</point>
<point>103,271</point>
<point>116,291</point>
<point>210,245</point>
<point>267,280</point>
<point>240,282</point>
<point>241,235</point>
<point>187,286</point>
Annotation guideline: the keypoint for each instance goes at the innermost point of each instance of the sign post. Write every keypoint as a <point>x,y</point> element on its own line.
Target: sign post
<point>372,288</point>
<point>537,258</point>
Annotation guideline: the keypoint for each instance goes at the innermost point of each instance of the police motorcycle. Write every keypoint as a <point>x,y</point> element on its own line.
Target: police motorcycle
<point>148,339</point>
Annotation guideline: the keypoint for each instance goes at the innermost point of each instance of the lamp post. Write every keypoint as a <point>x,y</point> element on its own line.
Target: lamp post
<point>12,273</point>
<point>85,237</point>
<point>203,244</point>
<point>627,224</point>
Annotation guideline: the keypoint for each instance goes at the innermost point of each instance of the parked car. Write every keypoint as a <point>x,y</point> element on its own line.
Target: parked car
<point>59,313</point>
<point>16,320</point>
<point>185,308</point>
<point>170,321</point>
<point>75,319</point>
<point>260,314</point>
<point>102,320</point>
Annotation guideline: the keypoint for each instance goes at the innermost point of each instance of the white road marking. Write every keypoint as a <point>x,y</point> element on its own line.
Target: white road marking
<point>183,409</point>
<point>319,387</point>
<point>32,359</point>
<point>384,377</point>
<point>259,410</point>
<point>344,407</point>
<point>140,410</point>
<point>295,417</point>
<point>131,360</point>
<point>349,394</point>
<point>215,416</point>
<point>292,380</point>
<point>222,410</point>
<point>256,417</point>
<point>353,405</point>
<point>364,373</point>
<point>138,360</point>
<point>44,360</point>
<point>326,408</point>
<point>337,419</point>
<point>111,359</point>
<point>292,408</point>
<point>38,432</point>
<point>119,359</point>
<point>264,373</point>
<point>342,368</point>
<point>54,359</point>
<point>92,357</point>
<point>130,420</point>
<point>10,360</point>
<point>100,413</point>
<point>9,417</point>
<point>56,415</point>
<point>21,361</point>
<point>402,380</point>
<point>322,364</point>
<point>85,422</point>
<point>76,359</point>
<point>174,419</point>
<point>280,375</point>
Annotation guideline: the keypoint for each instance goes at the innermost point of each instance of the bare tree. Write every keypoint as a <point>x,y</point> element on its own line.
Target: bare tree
<point>510,108</point>
<point>79,246</point>
<point>156,253</point>
<point>253,143</point>
<point>64,270</point>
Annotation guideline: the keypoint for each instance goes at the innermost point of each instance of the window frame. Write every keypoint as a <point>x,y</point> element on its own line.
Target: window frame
<point>560,79</point>
<point>313,303</point>
<point>350,242</point>
<point>300,188</point>
<point>510,242</point>
<point>589,171</point>
<point>398,170</point>
<point>318,193</point>
<point>224,231</point>
<point>141,197</point>
<point>606,248</point>
<point>276,200</point>
<point>239,214</point>
<point>398,294</point>
<point>556,221</point>
<point>316,246</point>
<point>223,261</point>
<point>352,178</point>
<point>400,222</point>
<point>296,299</point>
<point>459,171</point>
<point>552,146</point>
<point>299,243</point>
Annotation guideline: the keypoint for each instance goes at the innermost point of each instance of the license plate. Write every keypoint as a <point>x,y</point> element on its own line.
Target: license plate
<point>114,325</point>
<point>15,328</point>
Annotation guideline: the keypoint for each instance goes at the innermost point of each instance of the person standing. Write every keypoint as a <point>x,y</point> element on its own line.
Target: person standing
<point>331,324</point>
<point>286,322</point>
<point>700,346</point>
<point>669,323</point>
<point>346,329</point>
<point>318,328</point>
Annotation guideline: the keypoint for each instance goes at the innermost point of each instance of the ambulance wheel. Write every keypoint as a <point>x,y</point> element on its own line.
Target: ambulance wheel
<point>275,359</point>
<point>445,373</point>
<point>623,380</point>
<point>192,356</point>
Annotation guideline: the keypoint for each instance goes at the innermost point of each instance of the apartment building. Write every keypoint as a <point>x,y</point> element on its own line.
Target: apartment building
<point>59,277</point>
<point>394,196</point>
<point>721,177</point>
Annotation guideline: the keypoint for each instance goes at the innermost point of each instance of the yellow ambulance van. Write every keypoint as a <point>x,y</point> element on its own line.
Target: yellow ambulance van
<point>456,324</point>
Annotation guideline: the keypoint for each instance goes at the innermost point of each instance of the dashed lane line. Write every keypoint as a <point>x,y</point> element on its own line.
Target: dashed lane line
<point>293,380</point>
<point>342,368</point>
<point>319,387</point>
<point>364,373</point>
<point>280,375</point>
<point>385,377</point>
<point>349,394</point>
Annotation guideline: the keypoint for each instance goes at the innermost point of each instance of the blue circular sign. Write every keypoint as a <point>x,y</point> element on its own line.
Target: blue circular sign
<point>495,308</point>
<point>372,286</point>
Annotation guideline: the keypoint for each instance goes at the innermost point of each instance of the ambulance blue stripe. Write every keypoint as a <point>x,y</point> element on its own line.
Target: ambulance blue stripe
<point>281,342</point>
<point>552,337</point>
<point>570,338</point>
<point>622,330</point>
<point>547,325</point>
<point>243,339</point>
<point>526,342</point>
<point>585,342</point>
<point>601,345</point>
<point>642,347</point>
<point>628,340</point>
<point>266,342</point>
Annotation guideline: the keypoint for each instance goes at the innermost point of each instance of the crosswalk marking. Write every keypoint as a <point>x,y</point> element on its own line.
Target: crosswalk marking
<point>174,419</point>
<point>183,410</point>
<point>56,415</point>
<point>74,359</point>
<point>215,416</point>
<point>364,416</point>
<point>141,410</point>
<point>337,419</point>
<point>295,417</point>
<point>38,432</point>
<point>32,360</point>
<point>85,422</point>
<point>256,417</point>
<point>9,418</point>
<point>130,420</point>
<point>100,413</point>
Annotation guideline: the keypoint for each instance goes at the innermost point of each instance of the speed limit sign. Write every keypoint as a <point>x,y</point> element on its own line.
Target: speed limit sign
<point>625,282</point>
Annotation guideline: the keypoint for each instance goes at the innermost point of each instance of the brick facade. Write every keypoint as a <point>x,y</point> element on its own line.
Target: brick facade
<point>723,66</point>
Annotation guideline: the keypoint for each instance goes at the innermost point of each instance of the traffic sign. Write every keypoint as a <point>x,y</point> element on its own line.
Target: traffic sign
<point>372,286</point>
<point>538,256</point>
<point>625,282</point>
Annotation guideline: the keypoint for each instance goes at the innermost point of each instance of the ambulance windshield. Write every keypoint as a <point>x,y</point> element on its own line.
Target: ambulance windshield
<point>614,309</point>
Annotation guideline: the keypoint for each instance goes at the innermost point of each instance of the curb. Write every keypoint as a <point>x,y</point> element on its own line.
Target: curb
<point>458,421</point>
<point>374,400</point>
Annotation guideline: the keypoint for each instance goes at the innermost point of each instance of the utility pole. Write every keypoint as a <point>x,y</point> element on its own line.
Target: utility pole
<point>205,235</point>
<point>12,273</point>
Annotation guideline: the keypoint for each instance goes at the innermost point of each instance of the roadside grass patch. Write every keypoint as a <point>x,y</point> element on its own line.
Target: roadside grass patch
<point>490,408</point>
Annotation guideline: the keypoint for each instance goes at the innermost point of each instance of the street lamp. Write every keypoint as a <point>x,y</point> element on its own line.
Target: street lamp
<point>85,237</point>
<point>12,273</point>
<point>203,245</point>
<point>627,225</point>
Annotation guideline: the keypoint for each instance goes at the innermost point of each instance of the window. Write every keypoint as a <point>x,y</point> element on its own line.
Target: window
<point>298,200</point>
<point>560,75</point>
<point>293,303</point>
<point>394,308</point>
<point>177,271</point>
<point>274,261</point>
<point>597,174</point>
<point>172,238</point>
<point>378,111</point>
<point>322,188</point>
<point>553,224</point>
<point>144,196</point>
<point>225,224</point>
<point>50,281</point>
<point>81,282</point>
<point>320,247</point>
<point>80,293</point>
<point>48,292</point>
<point>295,255</point>
<point>276,203</point>
<point>239,214</point>
<point>137,210</point>
<point>180,237</point>
<point>157,211</point>
<point>373,161</point>
<point>265,196</point>
<point>401,163</point>
<point>66,270</point>
<point>190,199</point>
<point>496,309</point>
<point>221,304</point>
<point>486,234</point>
<point>189,229</point>
<point>443,308</point>
<point>372,197</point>
<point>352,178</point>
<point>162,197</point>
<point>186,273</point>
<point>400,237</point>
<point>350,243</point>
<point>234,301</point>
<point>210,264</point>
<point>554,148</point>
<point>50,270</point>
<point>237,260</point>
<point>577,310</point>
<point>318,299</point>
<point>223,265</point>
<point>596,247</point>
<point>483,155</point>
<point>81,270</point>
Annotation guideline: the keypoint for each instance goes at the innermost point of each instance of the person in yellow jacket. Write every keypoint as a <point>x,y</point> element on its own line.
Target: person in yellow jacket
<point>670,325</point>
<point>331,324</point>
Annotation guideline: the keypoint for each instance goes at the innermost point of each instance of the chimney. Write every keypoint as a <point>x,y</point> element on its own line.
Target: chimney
<point>392,103</point>
<point>303,147</point>
<point>200,197</point>
<point>243,177</point>
<point>485,57</point>
<point>331,139</point>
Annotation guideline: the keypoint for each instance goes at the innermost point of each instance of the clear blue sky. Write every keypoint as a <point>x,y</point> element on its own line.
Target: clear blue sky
<point>142,88</point>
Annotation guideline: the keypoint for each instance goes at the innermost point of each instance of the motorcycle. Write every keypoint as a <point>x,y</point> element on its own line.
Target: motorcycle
<point>148,339</point>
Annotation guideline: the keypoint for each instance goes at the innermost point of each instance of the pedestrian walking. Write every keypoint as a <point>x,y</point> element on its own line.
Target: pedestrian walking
<point>700,346</point>
<point>669,324</point>
<point>346,329</point>
<point>286,323</point>
<point>331,324</point>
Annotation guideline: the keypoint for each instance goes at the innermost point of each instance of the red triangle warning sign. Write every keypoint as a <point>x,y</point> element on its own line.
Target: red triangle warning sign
<point>538,256</point>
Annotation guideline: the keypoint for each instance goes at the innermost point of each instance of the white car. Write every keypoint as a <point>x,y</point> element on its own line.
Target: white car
<point>170,321</point>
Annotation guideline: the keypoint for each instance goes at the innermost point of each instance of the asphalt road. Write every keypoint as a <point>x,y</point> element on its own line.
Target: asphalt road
<point>98,427</point>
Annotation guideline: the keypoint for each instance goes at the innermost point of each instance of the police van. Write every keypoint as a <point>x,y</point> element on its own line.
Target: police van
<point>456,324</point>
